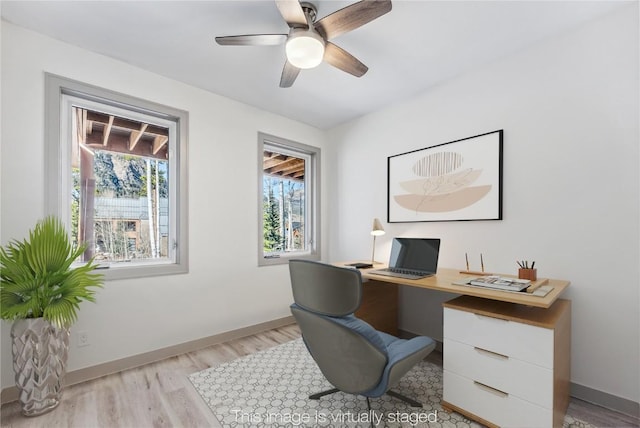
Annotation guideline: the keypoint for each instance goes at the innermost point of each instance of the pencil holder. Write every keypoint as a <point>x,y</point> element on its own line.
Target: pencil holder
<point>530,274</point>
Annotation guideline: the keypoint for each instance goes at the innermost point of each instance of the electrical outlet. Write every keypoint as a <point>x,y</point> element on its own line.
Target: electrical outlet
<point>83,338</point>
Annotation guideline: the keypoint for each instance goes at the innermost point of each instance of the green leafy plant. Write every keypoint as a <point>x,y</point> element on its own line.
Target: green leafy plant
<point>36,278</point>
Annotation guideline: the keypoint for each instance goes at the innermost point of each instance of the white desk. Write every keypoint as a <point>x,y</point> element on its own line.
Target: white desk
<point>507,364</point>
<point>507,356</point>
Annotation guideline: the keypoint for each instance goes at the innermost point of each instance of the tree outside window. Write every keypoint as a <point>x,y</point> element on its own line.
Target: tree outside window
<point>289,219</point>
<point>117,176</point>
<point>120,192</point>
<point>284,216</point>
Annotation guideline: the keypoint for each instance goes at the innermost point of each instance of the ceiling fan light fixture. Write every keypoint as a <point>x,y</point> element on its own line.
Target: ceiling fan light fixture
<point>304,49</point>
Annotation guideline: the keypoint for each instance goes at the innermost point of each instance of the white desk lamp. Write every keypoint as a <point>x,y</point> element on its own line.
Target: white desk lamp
<point>376,230</point>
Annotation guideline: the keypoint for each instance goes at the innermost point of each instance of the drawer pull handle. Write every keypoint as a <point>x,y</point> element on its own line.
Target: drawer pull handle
<point>490,389</point>
<point>491,353</point>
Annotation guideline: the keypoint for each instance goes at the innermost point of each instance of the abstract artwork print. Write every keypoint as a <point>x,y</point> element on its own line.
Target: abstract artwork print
<point>459,180</point>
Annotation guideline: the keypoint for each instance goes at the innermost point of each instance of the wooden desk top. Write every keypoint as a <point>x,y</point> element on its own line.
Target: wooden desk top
<point>444,279</point>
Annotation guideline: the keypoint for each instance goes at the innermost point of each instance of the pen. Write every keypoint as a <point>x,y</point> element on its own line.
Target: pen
<point>481,263</point>
<point>466,257</point>
<point>532,264</point>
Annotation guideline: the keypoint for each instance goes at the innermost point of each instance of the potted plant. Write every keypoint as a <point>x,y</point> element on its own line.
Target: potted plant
<point>41,292</point>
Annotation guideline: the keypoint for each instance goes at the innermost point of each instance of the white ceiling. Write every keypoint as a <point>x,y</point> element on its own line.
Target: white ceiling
<point>416,46</point>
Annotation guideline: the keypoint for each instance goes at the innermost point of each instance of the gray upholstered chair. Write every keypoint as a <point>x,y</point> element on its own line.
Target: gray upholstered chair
<point>353,356</point>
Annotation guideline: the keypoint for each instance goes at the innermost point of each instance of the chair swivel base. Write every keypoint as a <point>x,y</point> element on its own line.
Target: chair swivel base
<point>319,395</point>
<point>411,402</point>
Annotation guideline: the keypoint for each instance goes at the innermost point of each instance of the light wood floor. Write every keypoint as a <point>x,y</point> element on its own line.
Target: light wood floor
<point>160,395</point>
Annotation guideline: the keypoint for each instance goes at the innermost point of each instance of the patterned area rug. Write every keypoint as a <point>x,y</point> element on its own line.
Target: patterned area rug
<point>271,389</point>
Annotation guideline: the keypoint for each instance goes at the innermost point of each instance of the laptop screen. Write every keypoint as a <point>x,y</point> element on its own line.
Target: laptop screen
<point>415,254</point>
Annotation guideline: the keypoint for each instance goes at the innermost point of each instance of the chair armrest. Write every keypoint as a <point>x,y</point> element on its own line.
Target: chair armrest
<point>402,356</point>
<point>401,349</point>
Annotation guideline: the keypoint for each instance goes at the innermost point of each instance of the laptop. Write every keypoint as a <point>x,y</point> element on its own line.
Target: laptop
<point>412,258</point>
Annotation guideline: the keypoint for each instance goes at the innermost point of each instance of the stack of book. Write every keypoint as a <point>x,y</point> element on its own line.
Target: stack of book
<point>501,283</point>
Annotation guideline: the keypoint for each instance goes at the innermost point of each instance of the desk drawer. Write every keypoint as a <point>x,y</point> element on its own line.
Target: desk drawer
<point>514,339</point>
<point>516,377</point>
<point>502,409</point>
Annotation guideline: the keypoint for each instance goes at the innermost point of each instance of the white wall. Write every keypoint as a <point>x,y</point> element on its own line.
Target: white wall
<point>224,289</point>
<point>569,110</point>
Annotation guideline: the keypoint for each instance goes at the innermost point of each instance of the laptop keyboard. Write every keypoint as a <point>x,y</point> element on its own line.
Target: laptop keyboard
<point>406,271</point>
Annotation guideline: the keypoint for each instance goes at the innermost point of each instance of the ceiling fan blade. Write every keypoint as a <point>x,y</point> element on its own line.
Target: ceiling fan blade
<point>289,75</point>
<point>252,40</point>
<point>351,17</point>
<point>343,60</point>
<point>292,12</point>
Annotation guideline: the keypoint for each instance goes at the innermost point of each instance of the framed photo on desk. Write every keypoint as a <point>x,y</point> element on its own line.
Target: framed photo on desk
<point>458,180</point>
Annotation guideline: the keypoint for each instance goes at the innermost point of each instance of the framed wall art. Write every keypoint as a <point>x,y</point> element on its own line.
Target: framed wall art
<point>459,180</point>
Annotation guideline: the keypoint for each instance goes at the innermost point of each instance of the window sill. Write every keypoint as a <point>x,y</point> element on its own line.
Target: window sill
<point>129,270</point>
<point>283,259</point>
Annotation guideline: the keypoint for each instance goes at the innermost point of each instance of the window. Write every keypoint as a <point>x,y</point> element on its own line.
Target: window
<point>288,200</point>
<point>118,170</point>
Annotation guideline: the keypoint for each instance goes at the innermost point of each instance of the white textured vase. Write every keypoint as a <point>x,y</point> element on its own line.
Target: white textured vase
<point>40,352</point>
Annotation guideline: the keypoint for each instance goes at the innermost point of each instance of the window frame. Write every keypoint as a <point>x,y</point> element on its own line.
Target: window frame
<point>57,176</point>
<point>312,198</point>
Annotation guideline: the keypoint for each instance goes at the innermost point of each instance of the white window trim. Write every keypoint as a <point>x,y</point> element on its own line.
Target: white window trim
<point>57,181</point>
<point>312,198</point>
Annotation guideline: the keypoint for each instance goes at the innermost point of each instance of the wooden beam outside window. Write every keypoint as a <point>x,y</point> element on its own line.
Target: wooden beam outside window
<point>136,135</point>
<point>107,132</point>
<point>159,142</point>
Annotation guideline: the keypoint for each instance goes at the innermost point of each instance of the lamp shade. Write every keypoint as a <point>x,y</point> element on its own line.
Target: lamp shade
<point>377,228</point>
<point>304,48</point>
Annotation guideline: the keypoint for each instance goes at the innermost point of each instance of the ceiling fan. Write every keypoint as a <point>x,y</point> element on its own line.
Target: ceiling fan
<point>307,43</point>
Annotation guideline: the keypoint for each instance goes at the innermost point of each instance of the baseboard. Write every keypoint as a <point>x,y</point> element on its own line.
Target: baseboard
<point>606,400</point>
<point>82,375</point>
